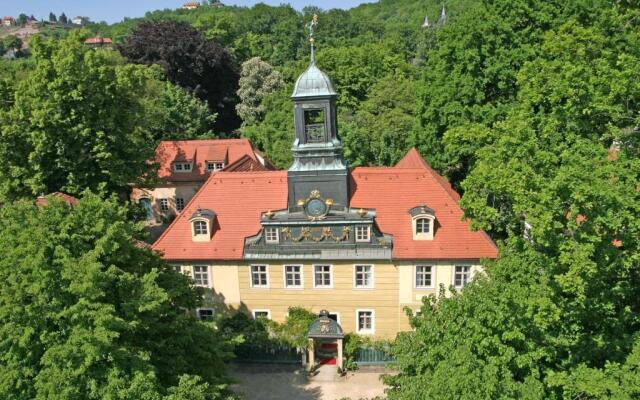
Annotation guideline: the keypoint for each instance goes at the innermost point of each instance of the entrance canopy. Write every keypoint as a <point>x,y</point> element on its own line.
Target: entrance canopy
<point>325,328</point>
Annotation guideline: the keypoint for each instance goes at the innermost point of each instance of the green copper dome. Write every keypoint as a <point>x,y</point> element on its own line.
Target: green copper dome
<point>313,82</point>
<point>325,327</point>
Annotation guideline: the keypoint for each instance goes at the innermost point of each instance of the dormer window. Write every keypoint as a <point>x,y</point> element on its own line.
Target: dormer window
<point>423,226</point>
<point>314,125</point>
<point>271,235</point>
<point>202,225</point>
<point>423,222</point>
<point>214,166</point>
<point>363,233</point>
<point>182,167</point>
<point>200,228</point>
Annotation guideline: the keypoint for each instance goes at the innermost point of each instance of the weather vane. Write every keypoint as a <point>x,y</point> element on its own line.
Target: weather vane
<point>312,32</point>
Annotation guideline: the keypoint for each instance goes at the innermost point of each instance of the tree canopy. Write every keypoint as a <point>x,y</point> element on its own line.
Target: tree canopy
<point>76,121</point>
<point>88,313</point>
<point>199,65</point>
<point>557,178</point>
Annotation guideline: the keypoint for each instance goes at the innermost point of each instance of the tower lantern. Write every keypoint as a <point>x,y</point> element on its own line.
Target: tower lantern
<point>317,150</point>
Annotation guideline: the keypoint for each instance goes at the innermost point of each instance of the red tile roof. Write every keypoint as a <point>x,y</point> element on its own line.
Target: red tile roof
<point>199,152</point>
<point>42,201</point>
<point>98,40</point>
<point>245,164</point>
<point>240,199</point>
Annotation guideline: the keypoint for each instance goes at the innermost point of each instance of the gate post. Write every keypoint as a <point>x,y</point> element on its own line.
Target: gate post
<point>311,351</point>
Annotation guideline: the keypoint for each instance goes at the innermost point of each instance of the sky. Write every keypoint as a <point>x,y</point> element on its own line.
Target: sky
<point>115,10</point>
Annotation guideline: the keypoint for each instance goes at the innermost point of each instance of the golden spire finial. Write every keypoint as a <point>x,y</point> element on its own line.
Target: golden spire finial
<point>312,32</point>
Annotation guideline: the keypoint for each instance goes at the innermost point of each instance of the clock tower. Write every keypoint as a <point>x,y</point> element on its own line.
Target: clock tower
<point>318,223</point>
<point>318,164</point>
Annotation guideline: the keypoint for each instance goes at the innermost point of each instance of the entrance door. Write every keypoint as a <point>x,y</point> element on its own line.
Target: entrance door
<point>146,204</point>
<point>327,351</point>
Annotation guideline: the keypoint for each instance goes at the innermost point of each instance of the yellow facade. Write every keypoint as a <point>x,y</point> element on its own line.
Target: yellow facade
<point>393,287</point>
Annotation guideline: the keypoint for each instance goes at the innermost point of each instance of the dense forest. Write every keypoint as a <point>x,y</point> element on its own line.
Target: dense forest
<point>530,108</point>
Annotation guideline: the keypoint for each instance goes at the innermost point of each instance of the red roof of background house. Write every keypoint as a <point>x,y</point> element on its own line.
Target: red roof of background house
<point>198,152</point>
<point>245,164</point>
<point>240,199</point>
<point>9,19</point>
<point>42,201</point>
<point>98,40</point>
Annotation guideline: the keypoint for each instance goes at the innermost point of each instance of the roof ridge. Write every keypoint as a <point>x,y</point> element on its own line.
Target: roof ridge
<point>414,158</point>
<point>212,141</point>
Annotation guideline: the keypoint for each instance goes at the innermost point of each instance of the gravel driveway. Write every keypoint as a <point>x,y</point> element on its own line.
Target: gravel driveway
<point>275,382</point>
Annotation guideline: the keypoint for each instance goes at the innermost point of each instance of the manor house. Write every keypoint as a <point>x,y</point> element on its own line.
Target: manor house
<point>361,243</point>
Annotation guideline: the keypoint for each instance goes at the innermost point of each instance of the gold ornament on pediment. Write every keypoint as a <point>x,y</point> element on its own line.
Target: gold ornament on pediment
<point>307,233</point>
<point>362,212</point>
<point>315,194</point>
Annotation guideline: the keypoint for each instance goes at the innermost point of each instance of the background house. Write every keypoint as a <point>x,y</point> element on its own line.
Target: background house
<point>192,5</point>
<point>8,21</point>
<point>98,41</point>
<point>80,20</point>
<point>184,166</point>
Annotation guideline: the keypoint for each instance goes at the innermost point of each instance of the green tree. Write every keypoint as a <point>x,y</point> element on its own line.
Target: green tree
<point>12,42</point>
<point>200,65</point>
<point>275,133</point>
<point>77,122</point>
<point>174,114</point>
<point>354,70</point>
<point>63,19</point>
<point>22,19</point>
<point>89,314</point>
<point>378,133</point>
<point>470,74</point>
<point>257,80</point>
<point>558,315</point>
<point>52,18</point>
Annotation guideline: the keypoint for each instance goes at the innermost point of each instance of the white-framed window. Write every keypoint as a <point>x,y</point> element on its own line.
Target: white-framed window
<point>179,203</point>
<point>200,228</point>
<point>182,167</point>
<point>424,276</point>
<point>177,268</point>
<point>201,275</point>
<point>214,166</point>
<point>365,321</point>
<point>334,315</point>
<point>257,314</point>
<point>423,226</point>
<point>164,204</point>
<point>259,276</point>
<point>363,233</point>
<point>363,276</point>
<point>462,275</point>
<point>271,235</point>
<point>293,277</point>
<point>205,314</point>
<point>322,276</point>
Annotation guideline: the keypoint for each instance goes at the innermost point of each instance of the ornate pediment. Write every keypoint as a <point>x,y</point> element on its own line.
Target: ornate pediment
<point>319,231</point>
